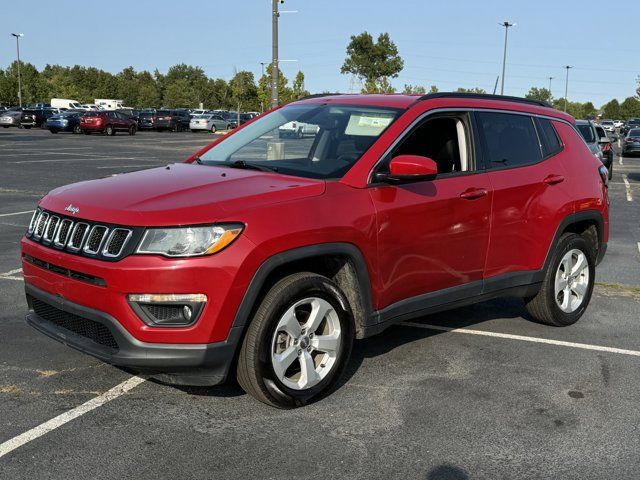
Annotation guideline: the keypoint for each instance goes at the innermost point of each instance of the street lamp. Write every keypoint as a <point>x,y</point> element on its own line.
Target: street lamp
<point>550,78</point>
<point>18,35</point>
<point>275,15</point>
<point>506,26</point>
<point>566,87</point>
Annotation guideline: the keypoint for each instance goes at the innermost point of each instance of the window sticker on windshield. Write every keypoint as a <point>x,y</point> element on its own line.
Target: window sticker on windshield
<point>366,125</point>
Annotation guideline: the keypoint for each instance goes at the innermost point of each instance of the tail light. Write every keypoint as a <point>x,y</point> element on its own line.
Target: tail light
<point>606,147</point>
<point>604,174</point>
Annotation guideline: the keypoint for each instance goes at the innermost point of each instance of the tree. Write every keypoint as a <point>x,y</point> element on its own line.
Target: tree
<point>433,89</point>
<point>477,90</point>
<point>414,89</point>
<point>243,91</point>
<point>540,94</point>
<point>180,93</point>
<point>630,108</point>
<point>297,89</point>
<point>374,63</point>
<point>611,109</point>
<point>264,88</point>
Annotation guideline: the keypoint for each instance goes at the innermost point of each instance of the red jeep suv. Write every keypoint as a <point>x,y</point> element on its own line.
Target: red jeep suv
<point>264,257</point>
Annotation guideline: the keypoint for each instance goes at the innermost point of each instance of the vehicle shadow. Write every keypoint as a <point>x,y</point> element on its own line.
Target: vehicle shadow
<point>387,341</point>
<point>446,471</point>
<point>400,334</point>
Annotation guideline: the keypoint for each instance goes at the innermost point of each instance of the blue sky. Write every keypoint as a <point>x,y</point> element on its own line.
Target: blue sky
<point>448,44</point>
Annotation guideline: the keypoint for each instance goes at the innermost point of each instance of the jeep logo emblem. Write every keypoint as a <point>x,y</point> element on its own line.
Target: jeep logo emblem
<point>72,209</point>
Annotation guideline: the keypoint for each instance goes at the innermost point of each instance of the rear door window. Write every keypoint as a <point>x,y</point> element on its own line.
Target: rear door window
<point>510,140</point>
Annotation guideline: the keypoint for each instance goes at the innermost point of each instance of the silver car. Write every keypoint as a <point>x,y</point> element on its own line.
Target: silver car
<point>208,122</point>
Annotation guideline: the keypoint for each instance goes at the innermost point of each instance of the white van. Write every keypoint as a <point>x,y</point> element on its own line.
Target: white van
<point>109,104</point>
<point>65,104</point>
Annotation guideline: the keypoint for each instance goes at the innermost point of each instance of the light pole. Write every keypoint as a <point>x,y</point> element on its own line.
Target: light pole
<point>18,35</point>
<point>566,87</point>
<point>274,52</point>
<point>550,78</point>
<point>506,26</point>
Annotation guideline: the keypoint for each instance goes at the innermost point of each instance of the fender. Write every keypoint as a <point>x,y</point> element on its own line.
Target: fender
<point>592,215</point>
<point>270,264</point>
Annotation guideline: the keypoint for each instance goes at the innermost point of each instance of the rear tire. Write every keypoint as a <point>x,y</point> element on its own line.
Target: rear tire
<point>213,129</point>
<point>311,359</point>
<point>568,283</point>
<point>110,131</point>
<point>132,130</point>
<point>77,129</point>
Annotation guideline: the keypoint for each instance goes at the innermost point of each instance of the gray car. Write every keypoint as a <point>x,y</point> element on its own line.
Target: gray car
<point>596,141</point>
<point>209,122</point>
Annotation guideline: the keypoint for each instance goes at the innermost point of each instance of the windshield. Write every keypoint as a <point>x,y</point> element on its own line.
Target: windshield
<point>313,141</point>
<point>587,133</point>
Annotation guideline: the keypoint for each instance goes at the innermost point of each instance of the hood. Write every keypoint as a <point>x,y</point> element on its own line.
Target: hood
<point>178,194</point>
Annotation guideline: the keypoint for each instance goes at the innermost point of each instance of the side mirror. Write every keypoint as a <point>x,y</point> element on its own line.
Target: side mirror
<point>605,140</point>
<point>409,168</point>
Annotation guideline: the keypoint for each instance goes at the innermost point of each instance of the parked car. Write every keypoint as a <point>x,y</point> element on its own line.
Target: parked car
<point>197,111</point>
<point>174,120</point>
<point>631,124</point>
<point>10,118</point>
<point>618,123</point>
<point>89,107</point>
<point>606,149</point>
<point>631,144</point>
<point>211,123</point>
<point>587,129</point>
<point>132,113</point>
<point>266,263</point>
<point>608,125</point>
<point>107,122</point>
<point>65,122</point>
<point>36,117</point>
<point>297,129</point>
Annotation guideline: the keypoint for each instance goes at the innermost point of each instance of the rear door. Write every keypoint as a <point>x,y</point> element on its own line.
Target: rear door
<point>529,193</point>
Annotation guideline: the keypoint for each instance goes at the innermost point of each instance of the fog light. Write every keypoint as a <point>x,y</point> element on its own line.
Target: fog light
<point>167,310</point>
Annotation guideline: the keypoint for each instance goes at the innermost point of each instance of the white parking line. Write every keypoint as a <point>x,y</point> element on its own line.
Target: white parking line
<point>621,161</point>
<point>11,272</point>
<point>583,346</point>
<point>639,246</point>
<point>628,187</point>
<point>46,427</point>
<point>16,213</point>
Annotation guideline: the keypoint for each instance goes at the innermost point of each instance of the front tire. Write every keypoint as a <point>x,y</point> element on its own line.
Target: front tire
<point>77,129</point>
<point>568,284</point>
<point>298,343</point>
<point>110,131</point>
<point>213,129</point>
<point>132,130</point>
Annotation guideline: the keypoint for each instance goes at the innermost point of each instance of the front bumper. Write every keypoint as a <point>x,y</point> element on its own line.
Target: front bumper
<point>191,364</point>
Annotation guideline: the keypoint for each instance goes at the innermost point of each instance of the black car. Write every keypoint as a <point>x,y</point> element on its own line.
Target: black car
<point>131,113</point>
<point>631,144</point>
<point>147,120</point>
<point>630,124</point>
<point>65,122</point>
<point>35,117</point>
<point>174,120</point>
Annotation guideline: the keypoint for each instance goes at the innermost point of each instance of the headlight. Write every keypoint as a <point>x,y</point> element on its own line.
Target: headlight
<point>188,241</point>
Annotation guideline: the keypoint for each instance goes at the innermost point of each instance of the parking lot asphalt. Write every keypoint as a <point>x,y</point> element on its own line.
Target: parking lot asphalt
<point>477,392</point>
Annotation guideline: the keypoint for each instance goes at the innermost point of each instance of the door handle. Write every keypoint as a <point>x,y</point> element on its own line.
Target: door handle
<point>553,179</point>
<point>473,193</point>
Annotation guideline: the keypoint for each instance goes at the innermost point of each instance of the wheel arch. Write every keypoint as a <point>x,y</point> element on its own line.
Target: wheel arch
<point>588,223</point>
<point>343,263</point>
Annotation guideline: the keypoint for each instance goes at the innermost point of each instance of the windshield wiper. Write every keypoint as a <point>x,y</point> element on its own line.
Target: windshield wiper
<point>252,166</point>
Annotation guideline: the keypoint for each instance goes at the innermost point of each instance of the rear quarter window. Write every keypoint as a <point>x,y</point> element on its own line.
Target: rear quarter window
<point>510,140</point>
<point>549,138</point>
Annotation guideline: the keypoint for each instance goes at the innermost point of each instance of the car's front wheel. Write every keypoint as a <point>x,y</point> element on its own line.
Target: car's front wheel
<point>298,342</point>
<point>77,129</point>
<point>110,131</point>
<point>132,130</point>
<point>213,129</point>
<point>568,284</point>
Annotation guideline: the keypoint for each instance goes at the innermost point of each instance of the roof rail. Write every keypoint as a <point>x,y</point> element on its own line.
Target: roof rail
<point>318,95</point>
<point>430,96</point>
